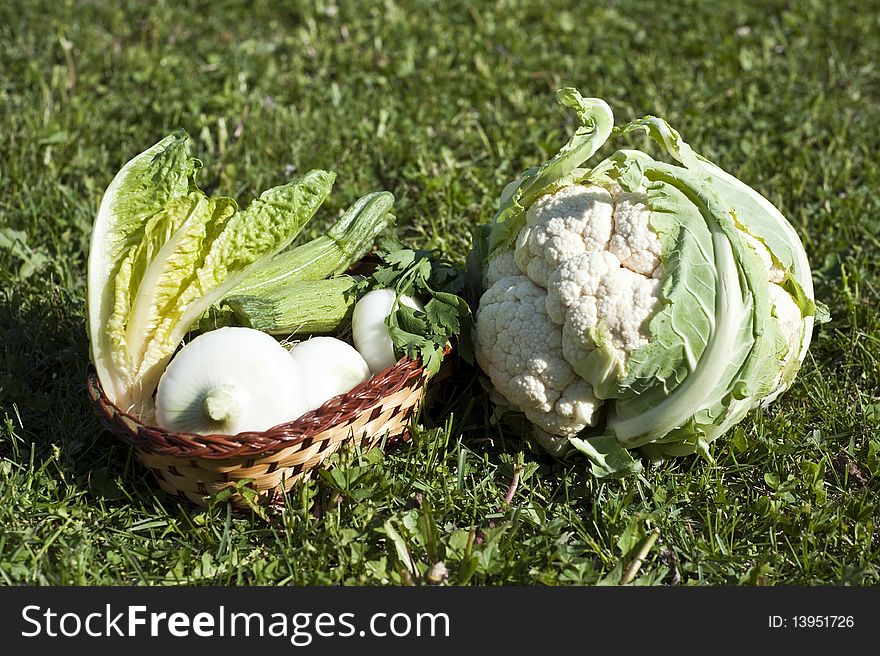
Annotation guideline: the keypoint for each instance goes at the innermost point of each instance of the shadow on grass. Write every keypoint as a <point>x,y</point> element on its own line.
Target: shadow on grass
<point>43,362</point>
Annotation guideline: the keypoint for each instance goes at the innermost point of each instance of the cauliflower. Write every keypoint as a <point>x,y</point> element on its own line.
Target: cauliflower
<point>526,363</point>
<point>529,338</point>
<point>574,220</point>
<point>637,303</point>
<point>601,304</point>
<point>499,267</point>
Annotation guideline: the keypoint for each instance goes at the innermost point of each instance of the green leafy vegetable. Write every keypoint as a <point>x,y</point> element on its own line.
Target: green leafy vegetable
<point>162,253</point>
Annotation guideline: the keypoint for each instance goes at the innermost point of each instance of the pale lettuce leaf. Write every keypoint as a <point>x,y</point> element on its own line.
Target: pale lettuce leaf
<point>163,252</point>
<point>141,189</point>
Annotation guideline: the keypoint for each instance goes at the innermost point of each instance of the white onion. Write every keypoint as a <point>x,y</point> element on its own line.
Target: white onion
<point>330,367</point>
<point>230,380</point>
<point>368,329</point>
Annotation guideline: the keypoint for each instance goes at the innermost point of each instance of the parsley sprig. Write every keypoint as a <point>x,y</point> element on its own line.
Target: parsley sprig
<point>447,316</point>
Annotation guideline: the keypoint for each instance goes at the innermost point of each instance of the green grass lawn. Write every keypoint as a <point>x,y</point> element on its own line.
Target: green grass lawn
<point>440,103</point>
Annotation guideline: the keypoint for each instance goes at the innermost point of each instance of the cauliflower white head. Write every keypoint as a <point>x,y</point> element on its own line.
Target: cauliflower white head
<point>638,303</point>
<point>528,358</point>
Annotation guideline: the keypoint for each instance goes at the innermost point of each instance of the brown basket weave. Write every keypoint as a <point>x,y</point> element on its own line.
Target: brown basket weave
<point>194,467</point>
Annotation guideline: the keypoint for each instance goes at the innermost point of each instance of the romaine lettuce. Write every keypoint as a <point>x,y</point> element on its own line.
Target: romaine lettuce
<point>162,252</point>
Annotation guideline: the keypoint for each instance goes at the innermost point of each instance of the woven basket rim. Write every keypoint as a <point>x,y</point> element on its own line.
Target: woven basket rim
<point>156,440</point>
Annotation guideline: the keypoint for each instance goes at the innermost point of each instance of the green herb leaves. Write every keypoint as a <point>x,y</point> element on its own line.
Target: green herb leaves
<point>447,316</point>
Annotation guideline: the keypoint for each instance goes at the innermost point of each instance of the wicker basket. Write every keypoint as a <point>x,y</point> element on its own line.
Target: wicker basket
<point>194,467</point>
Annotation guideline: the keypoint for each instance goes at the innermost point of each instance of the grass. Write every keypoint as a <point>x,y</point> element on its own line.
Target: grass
<point>440,103</point>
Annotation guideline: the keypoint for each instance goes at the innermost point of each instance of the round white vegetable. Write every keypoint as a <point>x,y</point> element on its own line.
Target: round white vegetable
<point>230,380</point>
<point>330,367</point>
<point>368,329</point>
